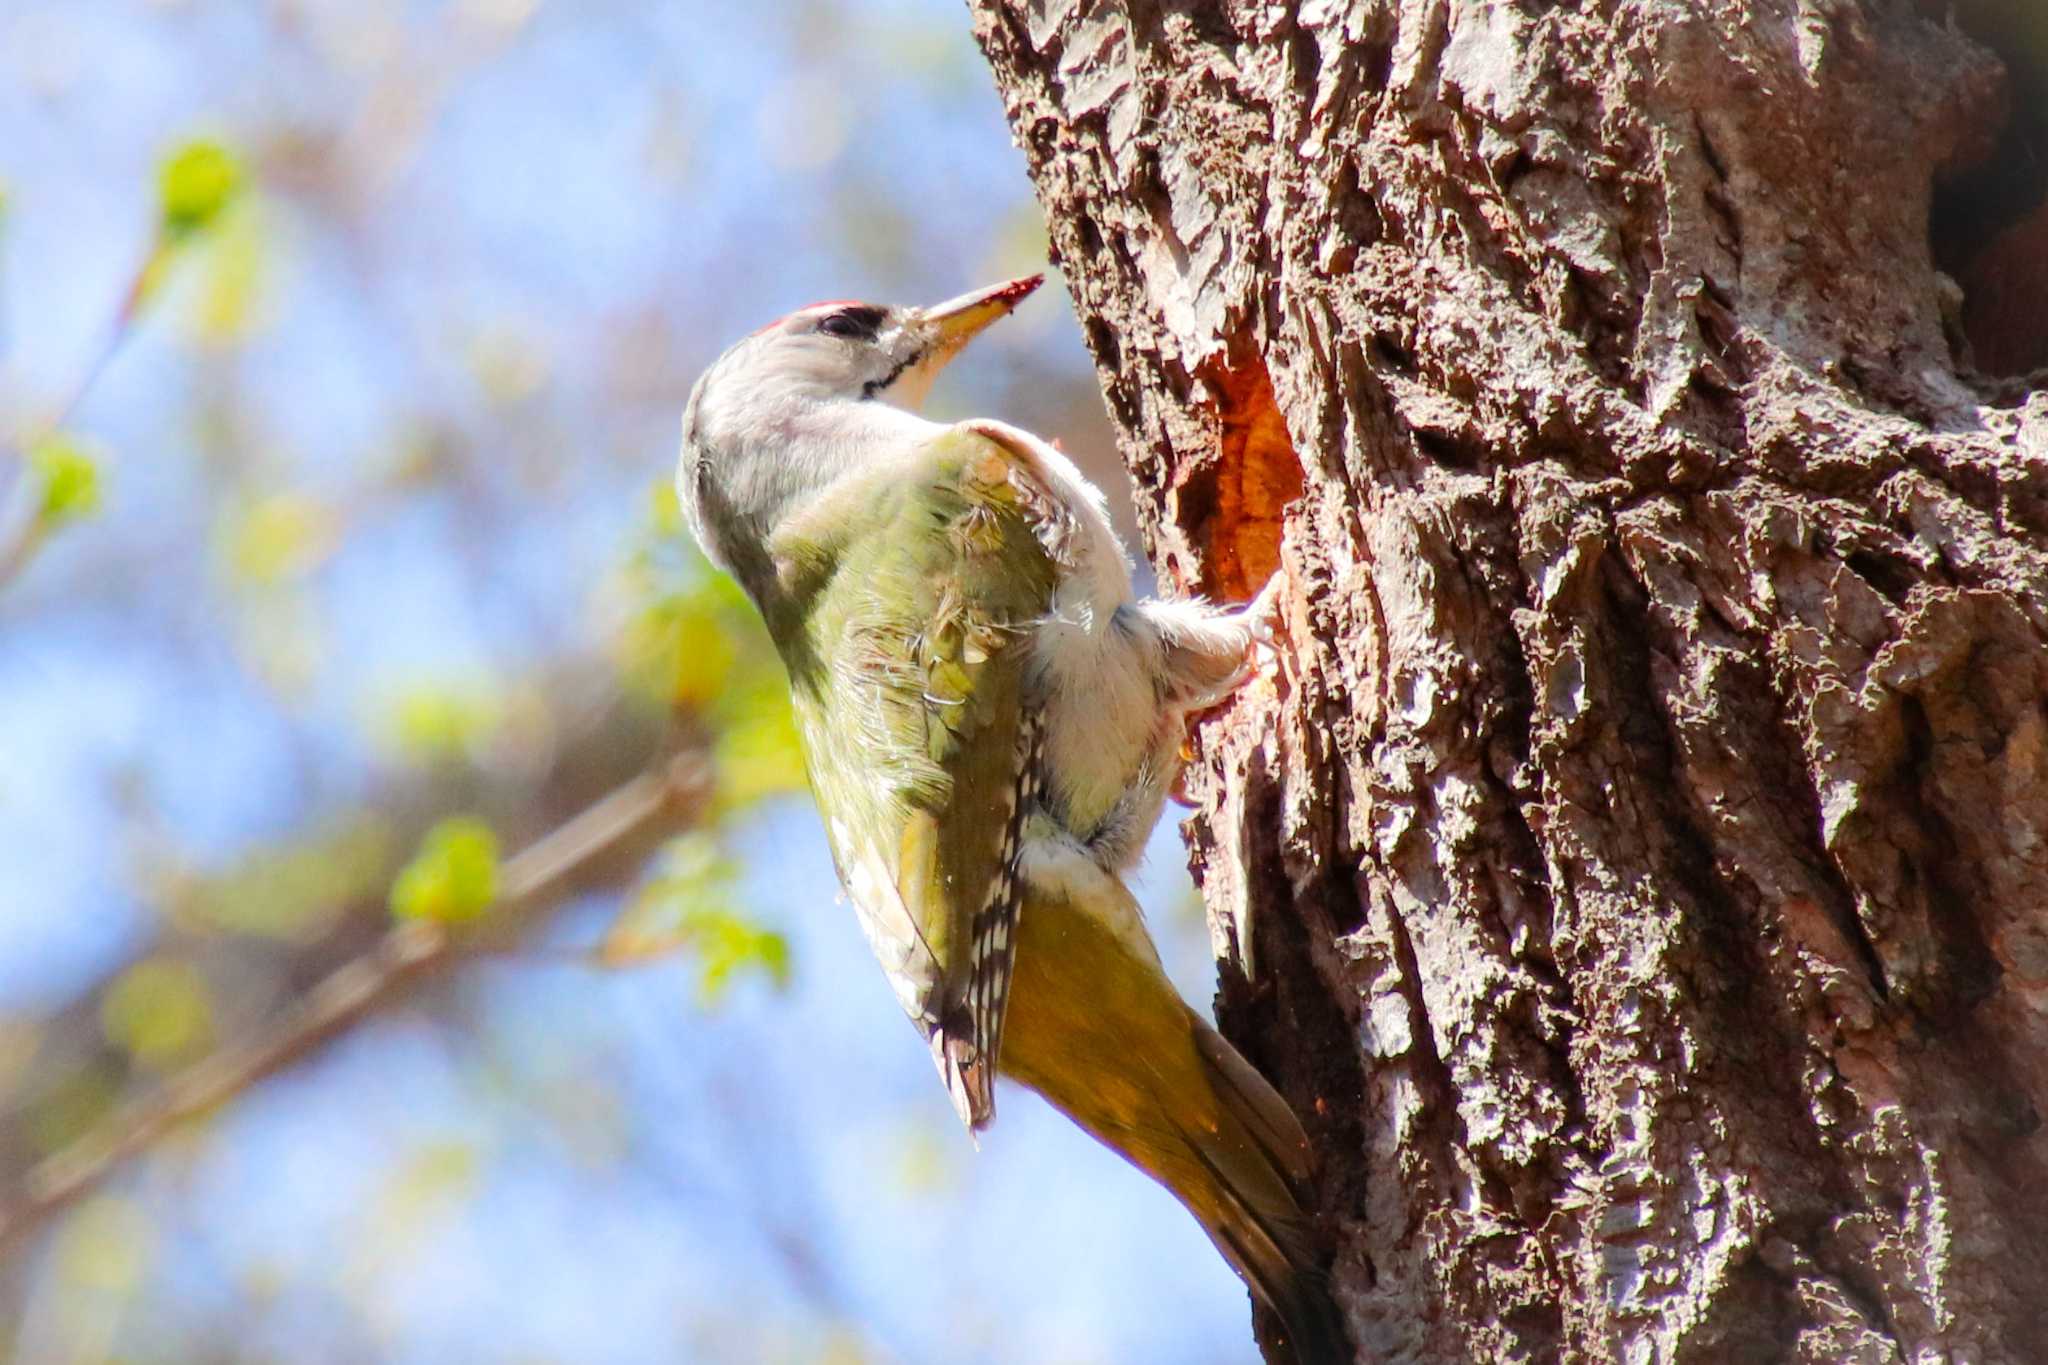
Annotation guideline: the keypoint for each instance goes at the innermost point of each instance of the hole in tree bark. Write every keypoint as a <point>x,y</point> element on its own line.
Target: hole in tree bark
<point>1235,507</point>
<point>1989,221</point>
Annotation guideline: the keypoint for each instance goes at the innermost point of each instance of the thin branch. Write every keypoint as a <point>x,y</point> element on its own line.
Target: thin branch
<point>408,953</point>
<point>28,531</point>
<point>117,332</point>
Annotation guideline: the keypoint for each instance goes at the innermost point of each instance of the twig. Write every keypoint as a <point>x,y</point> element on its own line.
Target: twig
<point>122,326</point>
<point>405,955</point>
<point>19,544</point>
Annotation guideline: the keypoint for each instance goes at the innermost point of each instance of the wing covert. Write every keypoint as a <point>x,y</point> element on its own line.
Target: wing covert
<point>926,579</point>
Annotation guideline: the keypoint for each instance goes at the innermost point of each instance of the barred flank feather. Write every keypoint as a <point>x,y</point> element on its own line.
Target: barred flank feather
<point>994,954</point>
<point>969,1045</point>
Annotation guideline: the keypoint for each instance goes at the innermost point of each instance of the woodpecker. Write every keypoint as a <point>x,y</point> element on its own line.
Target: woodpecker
<point>991,721</point>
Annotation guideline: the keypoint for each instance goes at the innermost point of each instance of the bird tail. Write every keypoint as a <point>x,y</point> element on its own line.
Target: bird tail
<point>1261,1169</point>
<point>1096,1028</point>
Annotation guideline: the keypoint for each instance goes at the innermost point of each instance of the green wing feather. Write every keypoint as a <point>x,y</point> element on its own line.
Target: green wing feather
<point>910,594</point>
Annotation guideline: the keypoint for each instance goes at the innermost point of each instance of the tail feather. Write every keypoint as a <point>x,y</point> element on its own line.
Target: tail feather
<point>1252,1100</point>
<point>1300,1295</point>
<point>1270,1243</point>
<point>1097,1029</point>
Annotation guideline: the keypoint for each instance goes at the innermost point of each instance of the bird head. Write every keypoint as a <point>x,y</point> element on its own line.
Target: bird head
<point>790,408</point>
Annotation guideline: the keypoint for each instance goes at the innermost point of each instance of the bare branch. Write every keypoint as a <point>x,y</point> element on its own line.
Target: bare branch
<point>407,954</point>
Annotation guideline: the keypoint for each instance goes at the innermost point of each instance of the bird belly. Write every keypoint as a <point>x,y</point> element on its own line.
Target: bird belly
<point>1108,756</point>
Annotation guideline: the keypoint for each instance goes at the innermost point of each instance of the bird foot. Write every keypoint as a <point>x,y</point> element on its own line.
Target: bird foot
<point>1262,619</point>
<point>1263,615</point>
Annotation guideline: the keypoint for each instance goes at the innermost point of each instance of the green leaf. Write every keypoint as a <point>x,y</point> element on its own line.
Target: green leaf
<point>66,1110</point>
<point>444,721</point>
<point>453,878</point>
<point>757,753</point>
<point>195,184</point>
<point>67,479</point>
<point>160,1012</point>
<point>687,630</point>
<point>688,906</point>
<point>680,650</point>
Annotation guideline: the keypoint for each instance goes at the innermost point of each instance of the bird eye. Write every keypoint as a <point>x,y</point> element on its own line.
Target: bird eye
<point>852,324</point>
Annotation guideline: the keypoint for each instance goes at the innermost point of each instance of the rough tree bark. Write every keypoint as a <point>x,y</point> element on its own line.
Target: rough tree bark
<point>1637,873</point>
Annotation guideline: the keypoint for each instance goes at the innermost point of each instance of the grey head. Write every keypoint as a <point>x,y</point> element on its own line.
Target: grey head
<point>786,411</point>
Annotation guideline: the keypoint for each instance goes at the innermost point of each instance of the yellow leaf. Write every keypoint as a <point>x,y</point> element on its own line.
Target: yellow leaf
<point>278,537</point>
<point>445,722</point>
<point>664,509</point>
<point>106,1244</point>
<point>233,279</point>
<point>453,878</point>
<point>67,476</point>
<point>196,182</point>
<point>757,753</point>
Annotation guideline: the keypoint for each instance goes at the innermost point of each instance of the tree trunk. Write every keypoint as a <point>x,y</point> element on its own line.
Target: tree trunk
<point>1637,872</point>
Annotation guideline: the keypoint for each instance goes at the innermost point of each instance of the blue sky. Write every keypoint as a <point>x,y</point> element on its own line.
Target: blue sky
<point>517,230</point>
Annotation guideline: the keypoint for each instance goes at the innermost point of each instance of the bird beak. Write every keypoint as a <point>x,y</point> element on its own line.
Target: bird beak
<point>945,327</point>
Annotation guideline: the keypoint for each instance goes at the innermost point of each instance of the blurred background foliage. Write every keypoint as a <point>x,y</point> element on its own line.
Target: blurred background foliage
<point>342,346</point>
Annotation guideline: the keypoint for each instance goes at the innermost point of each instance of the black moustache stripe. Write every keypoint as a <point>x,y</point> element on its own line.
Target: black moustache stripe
<point>875,386</point>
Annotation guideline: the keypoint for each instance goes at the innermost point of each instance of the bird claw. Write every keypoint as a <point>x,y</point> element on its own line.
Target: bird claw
<point>1264,615</point>
<point>1262,618</point>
